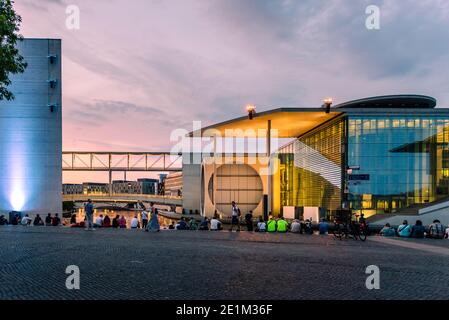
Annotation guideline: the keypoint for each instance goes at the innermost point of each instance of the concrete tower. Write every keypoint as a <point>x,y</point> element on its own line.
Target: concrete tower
<point>31,133</point>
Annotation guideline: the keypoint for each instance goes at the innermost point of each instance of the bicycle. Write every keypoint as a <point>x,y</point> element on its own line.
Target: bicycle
<point>351,229</point>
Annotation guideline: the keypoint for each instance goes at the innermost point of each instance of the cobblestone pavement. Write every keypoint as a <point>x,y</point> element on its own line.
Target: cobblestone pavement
<point>124,264</point>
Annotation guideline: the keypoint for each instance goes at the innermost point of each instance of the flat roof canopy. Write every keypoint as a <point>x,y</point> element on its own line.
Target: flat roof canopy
<point>289,122</point>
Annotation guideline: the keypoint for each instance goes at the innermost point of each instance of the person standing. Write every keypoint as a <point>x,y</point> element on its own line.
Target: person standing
<point>235,216</point>
<point>249,221</point>
<point>144,216</point>
<point>89,211</point>
<point>154,220</point>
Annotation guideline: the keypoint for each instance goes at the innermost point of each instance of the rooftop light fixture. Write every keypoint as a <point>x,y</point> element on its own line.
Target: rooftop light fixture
<point>327,103</point>
<point>251,109</point>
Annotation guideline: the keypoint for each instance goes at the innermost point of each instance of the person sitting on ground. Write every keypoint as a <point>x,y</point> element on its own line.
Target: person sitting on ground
<point>387,231</point>
<point>106,222</point>
<point>116,222</point>
<point>418,230</point>
<point>56,222</point>
<point>307,227</point>
<point>436,230</point>
<point>3,221</point>
<point>38,221</point>
<point>323,227</point>
<point>171,226</point>
<point>48,220</point>
<point>122,222</point>
<point>261,225</point>
<point>204,225</point>
<point>193,225</point>
<point>215,224</point>
<point>99,222</point>
<point>249,221</point>
<point>73,219</point>
<point>282,225</point>
<point>26,220</point>
<point>271,225</point>
<point>295,226</point>
<point>134,223</point>
<point>182,225</point>
<point>404,229</point>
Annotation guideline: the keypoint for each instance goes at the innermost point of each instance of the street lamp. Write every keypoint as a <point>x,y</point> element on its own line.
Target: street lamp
<point>327,103</point>
<point>251,109</point>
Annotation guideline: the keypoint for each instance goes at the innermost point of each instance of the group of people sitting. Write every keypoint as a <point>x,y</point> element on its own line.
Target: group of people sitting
<point>273,225</point>
<point>119,222</point>
<point>436,230</point>
<point>213,224</point>
<point>50,221</point>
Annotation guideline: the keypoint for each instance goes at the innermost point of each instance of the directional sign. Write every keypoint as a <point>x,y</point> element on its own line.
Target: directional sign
<point>359,177</point>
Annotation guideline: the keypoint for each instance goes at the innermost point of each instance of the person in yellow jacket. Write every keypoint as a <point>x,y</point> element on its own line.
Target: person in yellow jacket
<point>282,225</point>
<point>271,225</point>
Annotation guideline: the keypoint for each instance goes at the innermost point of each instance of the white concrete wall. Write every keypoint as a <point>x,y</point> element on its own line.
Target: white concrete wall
<point>243,183</point>
<point>31,135</point>
<point>191,190</point>
<point>438,211</point>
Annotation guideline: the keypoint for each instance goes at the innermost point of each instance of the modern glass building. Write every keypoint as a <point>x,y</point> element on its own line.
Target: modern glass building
<point>380,155</point>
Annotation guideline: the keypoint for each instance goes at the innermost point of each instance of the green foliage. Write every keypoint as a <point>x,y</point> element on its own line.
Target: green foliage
<point>11,62</point>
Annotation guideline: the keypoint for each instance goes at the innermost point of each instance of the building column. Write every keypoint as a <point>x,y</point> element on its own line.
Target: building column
<point>269,177</point>
<point>110,183</point>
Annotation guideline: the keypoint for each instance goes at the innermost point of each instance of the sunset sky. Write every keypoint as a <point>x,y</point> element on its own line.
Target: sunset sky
<point>138,69</point>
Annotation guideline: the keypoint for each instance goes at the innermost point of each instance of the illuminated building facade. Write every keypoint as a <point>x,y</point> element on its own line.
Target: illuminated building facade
<point>30,133</point>
<point>377,156</point>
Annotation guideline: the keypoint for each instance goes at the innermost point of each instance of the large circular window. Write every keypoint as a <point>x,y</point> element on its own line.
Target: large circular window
<point>235,182</point>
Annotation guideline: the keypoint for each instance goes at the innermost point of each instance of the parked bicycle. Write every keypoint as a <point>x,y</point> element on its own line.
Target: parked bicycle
<point>349,228</point>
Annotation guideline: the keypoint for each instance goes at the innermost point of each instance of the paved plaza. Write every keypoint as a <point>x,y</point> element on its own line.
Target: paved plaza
<point>125,264</point>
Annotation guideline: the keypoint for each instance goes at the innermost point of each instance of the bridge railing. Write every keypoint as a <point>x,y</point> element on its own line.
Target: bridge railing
<point>121,161</point>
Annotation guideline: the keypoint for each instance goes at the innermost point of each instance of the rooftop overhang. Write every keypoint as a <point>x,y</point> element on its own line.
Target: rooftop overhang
<point>289,123</point>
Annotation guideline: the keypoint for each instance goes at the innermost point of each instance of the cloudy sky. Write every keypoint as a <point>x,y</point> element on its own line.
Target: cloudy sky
<point>136,70</point>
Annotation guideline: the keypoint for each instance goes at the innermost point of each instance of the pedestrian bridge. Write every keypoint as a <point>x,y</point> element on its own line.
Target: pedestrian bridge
<point>166,200</point>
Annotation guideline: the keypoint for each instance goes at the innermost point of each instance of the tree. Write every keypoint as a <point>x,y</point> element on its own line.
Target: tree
<point>11,62</point>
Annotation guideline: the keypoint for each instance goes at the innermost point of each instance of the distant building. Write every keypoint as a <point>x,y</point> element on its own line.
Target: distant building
<point>94,188</point>
<point>148,186</point>
<point>173,185</point>
<point>123,186</point>
<point>69,188</point>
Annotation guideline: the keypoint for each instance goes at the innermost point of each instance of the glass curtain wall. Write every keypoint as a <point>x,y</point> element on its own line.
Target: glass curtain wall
<point>403,160</point>
<point>310,168</point>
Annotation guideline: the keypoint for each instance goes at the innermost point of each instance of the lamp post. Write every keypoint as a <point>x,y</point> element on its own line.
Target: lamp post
<point>251,109</point>
<point>327,103</point>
